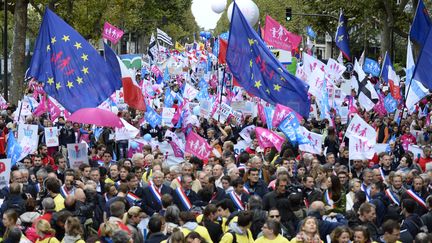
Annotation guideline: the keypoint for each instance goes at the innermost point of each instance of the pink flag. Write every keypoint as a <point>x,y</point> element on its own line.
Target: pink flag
<point>177,150</point>
<point>197,146</point>
<point>277,36</point>
<point>281,112</point>
<point>42,107</point>
<point>157,72</point>
<point>379,107</point>
<point>54,110</point>
<point>261,113</point>
<point>112,33</point>
<point>268,139</point>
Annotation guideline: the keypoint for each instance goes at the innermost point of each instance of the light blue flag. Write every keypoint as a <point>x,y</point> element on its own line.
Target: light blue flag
<point>152,117</point>
<point>14,149</point>
<point>269,111</point>
<point>169,99</point>
<point>390,103</point>
<point>166,76</point>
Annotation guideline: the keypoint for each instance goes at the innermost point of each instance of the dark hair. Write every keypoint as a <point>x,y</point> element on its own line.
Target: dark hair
<point>252,170</point>
<point>365,232</point>
<point>117,209</point>
<point>237,182</point>
<point>389,226</point>
<point>155,223</point>
<point>273,226</point>
<point>244,218</point>
<point>226,204</point>
<point>336,188</point>
<point>409,205</point>
<point>130,176</point>
<point>167,200</point>
<point>187,216</point>
<point>380,186</point>
<point>30,204</point>
<point>209,209</point>
<point>338,231</point>
<point>194,235</point>
<point>52,184</point>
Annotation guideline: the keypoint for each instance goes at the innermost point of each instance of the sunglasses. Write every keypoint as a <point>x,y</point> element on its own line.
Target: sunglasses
<point>274,216</point>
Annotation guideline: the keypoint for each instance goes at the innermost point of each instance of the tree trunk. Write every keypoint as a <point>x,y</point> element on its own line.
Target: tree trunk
<point>386,39</point>
<point>18,51</point>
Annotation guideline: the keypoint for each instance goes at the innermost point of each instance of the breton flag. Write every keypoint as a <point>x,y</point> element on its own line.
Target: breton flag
<point>132,91</point>
<point>367,95</point>
<point>153,48</point>
<point>164,37</point>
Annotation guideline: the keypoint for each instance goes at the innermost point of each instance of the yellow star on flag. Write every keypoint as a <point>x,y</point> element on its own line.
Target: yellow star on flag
<point>69,84</point>
<point>48,47</point>
<point>85,70</point>
<point>53,40</point>
<point>79,80</point>
<point>251,41</point>
<point>340,38</point>
<point>50,81</point>
<point>78,45</point>
<point>277,87</point>
<point>268,91</point>
<point>250,63</point>
<point>58,85</point>
<point>258,84</point>
<point>65,38</point>
<point>84,57</point>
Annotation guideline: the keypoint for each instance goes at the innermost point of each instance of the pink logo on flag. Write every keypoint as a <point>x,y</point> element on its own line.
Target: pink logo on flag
<point>197,146</point>
<point>277,36</point>
<point>281,112</point>
<point>379,107</point>
<point>261,113</point>
<point>112,33</point>
<point>156,71</point>
<point>177,151</point>
<point>268,139</point>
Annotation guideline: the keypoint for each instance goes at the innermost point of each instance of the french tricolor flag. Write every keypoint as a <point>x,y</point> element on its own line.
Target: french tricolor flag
<point>133,95</point>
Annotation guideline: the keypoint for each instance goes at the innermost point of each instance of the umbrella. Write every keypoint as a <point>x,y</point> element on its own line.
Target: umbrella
<point>97,117</point>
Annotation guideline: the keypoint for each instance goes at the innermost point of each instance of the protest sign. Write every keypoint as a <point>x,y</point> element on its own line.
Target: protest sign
<point>77,154</point>
<point>51,136</point>
<point>5,170</point>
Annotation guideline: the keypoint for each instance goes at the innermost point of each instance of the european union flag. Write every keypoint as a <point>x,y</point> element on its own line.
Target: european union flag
<point>257,70</point>
<point>72,71</point>
<point>342,38</point>
<point>421,24</point>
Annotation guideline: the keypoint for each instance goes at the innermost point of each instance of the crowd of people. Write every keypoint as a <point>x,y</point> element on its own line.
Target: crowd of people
<point>255,195</point>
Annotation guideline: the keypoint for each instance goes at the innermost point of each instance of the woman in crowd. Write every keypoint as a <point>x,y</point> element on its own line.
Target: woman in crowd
<point>9,220</point>
<point>45,232</point>
<point>73,231</point>
<point>308,232</point>
<point>334,196</point>
<point>271,233</point>
<point>361,235</point>
<point>132,218</point>
<point>341,234</point>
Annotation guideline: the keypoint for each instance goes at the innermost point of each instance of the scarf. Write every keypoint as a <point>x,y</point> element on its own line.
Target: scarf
<point>302,237</point>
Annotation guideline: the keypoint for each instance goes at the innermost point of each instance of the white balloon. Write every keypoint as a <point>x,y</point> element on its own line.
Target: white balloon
<point>218,6</point>
<point>249,10</point>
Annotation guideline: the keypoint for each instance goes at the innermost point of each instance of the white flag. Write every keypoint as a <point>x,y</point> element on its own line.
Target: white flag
<point>358,127</point>
<point>315,145</point>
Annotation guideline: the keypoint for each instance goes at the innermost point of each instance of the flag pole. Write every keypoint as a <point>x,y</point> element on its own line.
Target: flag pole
<point>221,91</point>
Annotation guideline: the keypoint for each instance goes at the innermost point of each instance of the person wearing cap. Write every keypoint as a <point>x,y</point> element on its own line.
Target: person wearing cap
<point>132,218</point>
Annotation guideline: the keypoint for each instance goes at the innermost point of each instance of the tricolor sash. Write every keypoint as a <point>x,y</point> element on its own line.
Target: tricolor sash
<point>327,198</point>
<point>417,198</point>
<point>237,201</point>
<point>183,198</point>
<point>155,192</point>
<point>382,173</point>
<point>179,180</point>
<point>65,192</point>
<point>132,198</point>
<point>364,188</point>
<point>246,189</point>
<point>392,196</point>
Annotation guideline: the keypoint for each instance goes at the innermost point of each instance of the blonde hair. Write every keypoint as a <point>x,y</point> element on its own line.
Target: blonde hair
<point>108,228</point>
<point>44,227</point>
<point>133,211</point>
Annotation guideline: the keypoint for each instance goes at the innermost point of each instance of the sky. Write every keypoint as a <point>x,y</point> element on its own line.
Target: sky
<point>204,15</point>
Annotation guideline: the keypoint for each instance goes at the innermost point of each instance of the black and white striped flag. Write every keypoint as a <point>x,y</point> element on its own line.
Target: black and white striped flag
<point>153,48</point>
<point>162,36</point>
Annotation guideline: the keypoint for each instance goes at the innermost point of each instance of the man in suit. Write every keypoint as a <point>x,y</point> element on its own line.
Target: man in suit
<point>135,193</point>
<point>184,197</point>
<point>152,195</point>
<point>239,196</point>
